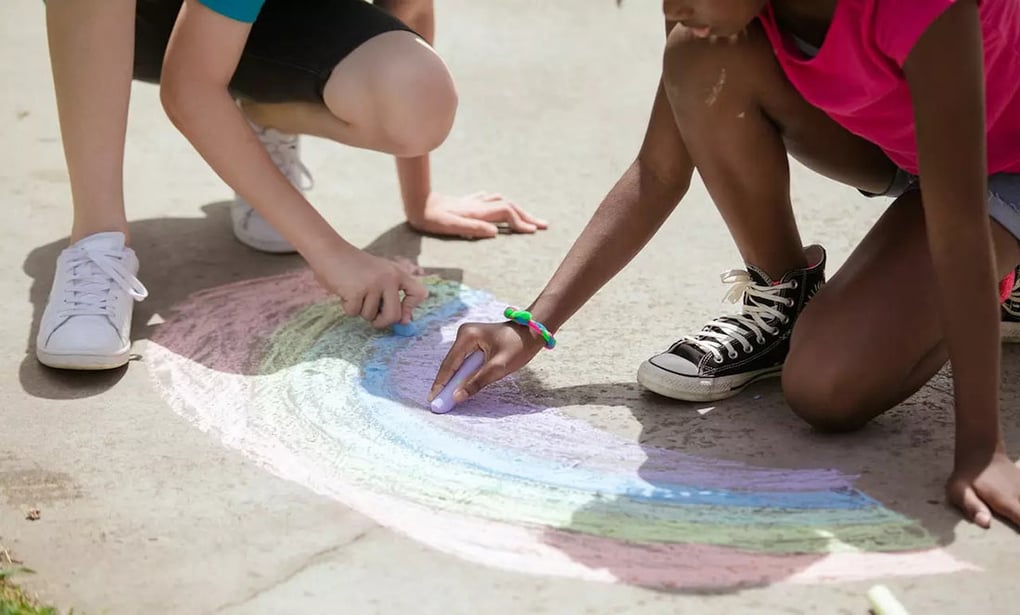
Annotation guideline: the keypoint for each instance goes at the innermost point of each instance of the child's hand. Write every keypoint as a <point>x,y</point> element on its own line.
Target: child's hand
<point>507,348</point>
<point>476,216</point>
<point>987,486</point>
<point>370,286</point>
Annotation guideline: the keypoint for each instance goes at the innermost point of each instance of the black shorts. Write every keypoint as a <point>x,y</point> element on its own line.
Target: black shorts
<point>291,53</point>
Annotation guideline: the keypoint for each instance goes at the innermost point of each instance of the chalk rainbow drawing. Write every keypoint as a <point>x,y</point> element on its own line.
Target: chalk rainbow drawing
<point>273,369</point>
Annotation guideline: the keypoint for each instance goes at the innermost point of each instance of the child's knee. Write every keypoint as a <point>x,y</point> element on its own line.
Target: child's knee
<point>823,392</point>
<point>397,92</point>
<point>701,75</point>
<point>417,103</point>
<point>414,99</point>
<point>686,63</point>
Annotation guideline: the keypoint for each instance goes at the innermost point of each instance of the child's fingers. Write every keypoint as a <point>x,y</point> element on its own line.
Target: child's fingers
<point>474,229</point>
<point>492,370</point>
<point>1007,505</point>
<point>508,213</point>
<point>414,293</point>
<point>1010,510</point>
<point>352,305</point>
<point>390,311</point>
<point>538,222</point>
<point>370,307</point>
<point>502,212</point>
<point>467,343</point>
<point>964,497</point>
<point>517,222</point>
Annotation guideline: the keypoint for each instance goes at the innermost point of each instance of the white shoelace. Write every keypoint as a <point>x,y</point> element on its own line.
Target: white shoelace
<point>91,274</point>
<point>755,320</point>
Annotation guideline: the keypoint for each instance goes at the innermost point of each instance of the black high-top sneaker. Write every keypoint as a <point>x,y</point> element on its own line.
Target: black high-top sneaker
<point>1011,314</point>
<point>731,352</point>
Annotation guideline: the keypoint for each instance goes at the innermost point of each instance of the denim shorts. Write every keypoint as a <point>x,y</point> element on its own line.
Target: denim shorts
<point>1003,196</point>
<point>292,50</point>
<point>1004,201</point>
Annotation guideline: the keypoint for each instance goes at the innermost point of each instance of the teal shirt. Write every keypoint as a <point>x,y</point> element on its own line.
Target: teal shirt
<point>241,10</point>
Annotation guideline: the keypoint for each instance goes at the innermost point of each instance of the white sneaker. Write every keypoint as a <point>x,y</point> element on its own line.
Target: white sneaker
<point>87,321</point>
<point>250,228</point>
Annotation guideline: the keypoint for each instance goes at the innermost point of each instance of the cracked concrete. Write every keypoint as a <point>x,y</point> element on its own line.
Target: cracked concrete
<point>315,559</point>
<point>141,513</point>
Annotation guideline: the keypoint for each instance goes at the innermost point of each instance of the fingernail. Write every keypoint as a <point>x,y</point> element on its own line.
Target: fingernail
<point>460,396</point>
<point>983,519</point>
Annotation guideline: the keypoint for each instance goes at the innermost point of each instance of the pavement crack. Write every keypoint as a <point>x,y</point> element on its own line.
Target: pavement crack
<point>312,560</point>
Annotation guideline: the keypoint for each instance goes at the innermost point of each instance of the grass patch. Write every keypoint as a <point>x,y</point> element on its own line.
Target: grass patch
<point>13,601</point>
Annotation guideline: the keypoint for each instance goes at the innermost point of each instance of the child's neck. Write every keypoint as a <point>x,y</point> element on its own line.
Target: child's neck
<point>808,20</point>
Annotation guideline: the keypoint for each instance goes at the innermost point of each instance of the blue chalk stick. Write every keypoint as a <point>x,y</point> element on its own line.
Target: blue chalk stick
<point>403,330</point>
<point>443,402</point>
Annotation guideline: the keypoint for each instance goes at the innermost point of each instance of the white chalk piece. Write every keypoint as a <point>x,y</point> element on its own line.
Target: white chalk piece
<point>443,402</point>
<point>883,602</point>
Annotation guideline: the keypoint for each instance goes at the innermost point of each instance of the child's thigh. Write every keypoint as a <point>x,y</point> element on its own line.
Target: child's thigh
<point>868,328</point>
<point>719,86</point>
<point>394,79</point>
<point>292,51</point>
<point>872,337</point>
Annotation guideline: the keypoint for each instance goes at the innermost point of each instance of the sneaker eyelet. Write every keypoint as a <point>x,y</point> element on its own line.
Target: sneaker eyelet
<point>760,340</point>
<point>733,355</point>
<point>794,285</point>
<point>789,302</point>
<point>749,349</point>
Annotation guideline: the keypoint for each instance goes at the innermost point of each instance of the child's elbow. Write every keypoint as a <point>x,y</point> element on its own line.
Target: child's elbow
<point>177,95</point>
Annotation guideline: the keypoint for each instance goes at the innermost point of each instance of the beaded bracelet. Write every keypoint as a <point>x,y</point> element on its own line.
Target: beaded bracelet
<point>522,317</point>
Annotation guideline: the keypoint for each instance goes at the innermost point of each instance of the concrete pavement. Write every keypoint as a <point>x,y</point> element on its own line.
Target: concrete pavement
<point>144,513</point>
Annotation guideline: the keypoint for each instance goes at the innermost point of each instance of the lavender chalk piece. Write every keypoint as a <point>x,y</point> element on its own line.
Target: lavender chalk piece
<point>443,402</point>
<point>403,330</point>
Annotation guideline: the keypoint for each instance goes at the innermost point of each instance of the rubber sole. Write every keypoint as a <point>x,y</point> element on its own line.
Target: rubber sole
<point>83,362</point>
<point>270,247</point>
<point>686,388</point>
<point>1010,332</point>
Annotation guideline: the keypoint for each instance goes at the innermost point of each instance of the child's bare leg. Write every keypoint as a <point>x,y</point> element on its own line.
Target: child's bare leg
<point>91,47</point>
<point>739,117</point>
<point>862,346</point>
<point>392,94</point>
<point>87,318</point>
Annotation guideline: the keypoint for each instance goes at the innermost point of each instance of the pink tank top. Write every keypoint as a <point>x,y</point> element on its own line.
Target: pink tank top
<point>857,75</point>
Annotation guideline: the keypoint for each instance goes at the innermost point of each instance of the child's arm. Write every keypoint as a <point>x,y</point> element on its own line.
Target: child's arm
<point>201,58</point>
<point>630,215</point>
<point>627,219</point>
<point>946,80</point>
<point>473,217</point>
